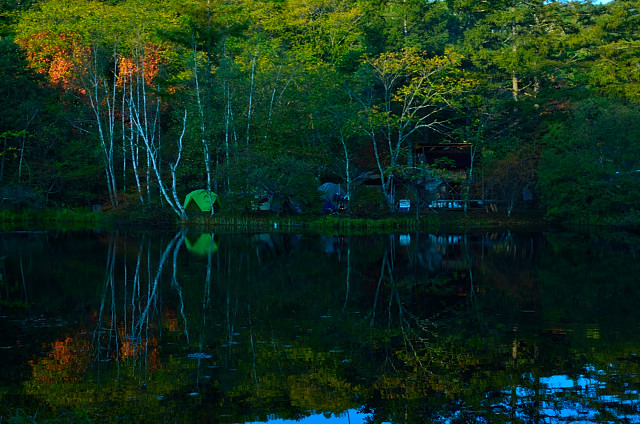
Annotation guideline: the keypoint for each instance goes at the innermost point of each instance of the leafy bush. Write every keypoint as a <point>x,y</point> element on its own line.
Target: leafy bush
<point>20,197</point>
<point>366,201</point>
<point>287,174</point>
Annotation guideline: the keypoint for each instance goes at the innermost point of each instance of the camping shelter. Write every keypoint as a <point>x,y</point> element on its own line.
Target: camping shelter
<point>330,191</point>
<point>201,200</point>
<point>333,195</point>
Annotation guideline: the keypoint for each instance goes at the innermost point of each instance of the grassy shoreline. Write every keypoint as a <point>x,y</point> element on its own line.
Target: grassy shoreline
<point>443,221</point>
<point>69,219</point>
<point>51,219</point>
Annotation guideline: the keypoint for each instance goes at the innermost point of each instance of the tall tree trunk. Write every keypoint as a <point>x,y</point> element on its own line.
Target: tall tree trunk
<point>514,76</point>
<point>203,132</point>
<point>4,153</point>
<point>154,160</point>
<point>253,74</point>
<point>147,128</point>
<point>99,92</point>
<point>347,163</point>
<point>227,126</point>
<point>274,102</point>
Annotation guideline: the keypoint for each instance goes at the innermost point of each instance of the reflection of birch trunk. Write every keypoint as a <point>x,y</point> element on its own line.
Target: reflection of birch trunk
<point>472,290</point>
<point>124,297</point>
<point>113,330</point>
<point>405,325</point>
<point>177,286</point>
<point>253,350</point>
<point>394,291</point>
<point>229,318</point>
<point>24,282</point>
<point>346,296</point>
<point>230,314</point>
<point>375,300</point>
<point>206,298</point>
<point>473,300</point>
<point>135,289</point>
<point>153,289</point>
<point>207,283</point>
<point>108,288</point>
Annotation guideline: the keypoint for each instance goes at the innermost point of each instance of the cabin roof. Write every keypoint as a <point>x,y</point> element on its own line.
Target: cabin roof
<point>458,153</point>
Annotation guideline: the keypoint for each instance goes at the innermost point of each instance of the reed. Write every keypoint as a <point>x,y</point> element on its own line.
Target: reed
<point>245,222</point>
<point>310,223</point>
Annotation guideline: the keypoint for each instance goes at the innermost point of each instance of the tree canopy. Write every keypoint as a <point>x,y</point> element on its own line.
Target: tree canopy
<point>167,97</point>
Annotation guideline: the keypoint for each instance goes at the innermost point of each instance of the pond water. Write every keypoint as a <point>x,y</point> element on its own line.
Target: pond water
<point>186,327</point>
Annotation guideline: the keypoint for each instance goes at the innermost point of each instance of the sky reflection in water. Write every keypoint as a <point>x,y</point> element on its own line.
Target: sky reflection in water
<point>350,417</point>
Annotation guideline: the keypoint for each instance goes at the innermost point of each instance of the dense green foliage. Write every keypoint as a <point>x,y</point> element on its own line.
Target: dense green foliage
<point>134,103</point>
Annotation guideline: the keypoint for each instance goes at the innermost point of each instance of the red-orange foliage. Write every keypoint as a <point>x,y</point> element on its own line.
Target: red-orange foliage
<point>58,54</point>
<point>127,66</point>
<point>52,54</point>
<point>131,348</point>
<point>66,362</point>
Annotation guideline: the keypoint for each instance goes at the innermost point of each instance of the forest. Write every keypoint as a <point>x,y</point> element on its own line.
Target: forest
<point>128,105</point>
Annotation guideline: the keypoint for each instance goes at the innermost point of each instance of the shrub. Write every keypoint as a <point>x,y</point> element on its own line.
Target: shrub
<point>20,197</point>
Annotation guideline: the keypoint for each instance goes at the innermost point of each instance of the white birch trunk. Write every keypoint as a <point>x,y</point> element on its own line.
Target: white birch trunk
<point>147,130</point>
<point>203,133</point>
<point>347,163</point>
<point>253,74</point>
<point>97,88</point>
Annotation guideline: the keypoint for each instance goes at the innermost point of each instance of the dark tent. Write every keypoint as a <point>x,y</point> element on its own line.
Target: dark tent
<point>334,197</point>
<point>330,191</point>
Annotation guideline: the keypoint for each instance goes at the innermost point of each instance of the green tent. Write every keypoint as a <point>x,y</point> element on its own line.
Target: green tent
<point>201,200</point>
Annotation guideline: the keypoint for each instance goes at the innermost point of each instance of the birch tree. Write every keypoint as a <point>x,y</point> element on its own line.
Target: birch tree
<point>76,49</point>
<point>102,54</point>
<point>144,115</point>
<point>413,91</point>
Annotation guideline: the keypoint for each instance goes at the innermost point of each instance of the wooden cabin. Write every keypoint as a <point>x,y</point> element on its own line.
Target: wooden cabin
<point>446,190</point>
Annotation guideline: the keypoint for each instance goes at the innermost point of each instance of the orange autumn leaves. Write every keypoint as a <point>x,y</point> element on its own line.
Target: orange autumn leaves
<point>51,54</point>
<point>78,43</point>
<point>70,358</point>
<point>66,61</point>
<point>66,362</point>
<point>149,67</point>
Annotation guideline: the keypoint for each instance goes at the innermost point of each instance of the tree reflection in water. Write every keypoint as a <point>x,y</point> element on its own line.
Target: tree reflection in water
<point>122,334</point>
<point>458,328</point>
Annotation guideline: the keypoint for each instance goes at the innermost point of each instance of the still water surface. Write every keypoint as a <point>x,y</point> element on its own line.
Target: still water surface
<point>297,328</point>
